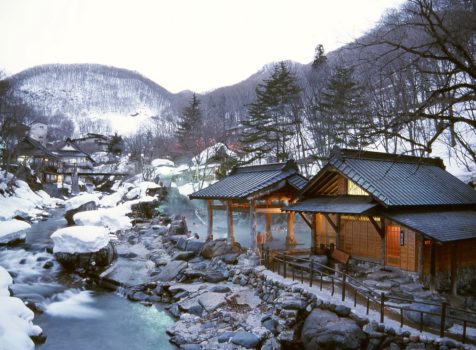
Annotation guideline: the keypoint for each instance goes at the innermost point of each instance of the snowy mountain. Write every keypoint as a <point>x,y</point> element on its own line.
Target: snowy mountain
<point>94,92</point>
<point>91,93</point>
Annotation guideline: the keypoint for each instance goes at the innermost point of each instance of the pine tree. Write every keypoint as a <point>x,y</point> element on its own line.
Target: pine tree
<point>190,125</point>
<point>343,108</point>
<point>116,144</point>
<point>272,116</point>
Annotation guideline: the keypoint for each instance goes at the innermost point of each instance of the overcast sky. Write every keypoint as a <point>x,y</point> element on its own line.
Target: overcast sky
<point>180,44</point>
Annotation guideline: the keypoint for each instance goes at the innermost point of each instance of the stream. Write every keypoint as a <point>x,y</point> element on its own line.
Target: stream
<point>73,317</point>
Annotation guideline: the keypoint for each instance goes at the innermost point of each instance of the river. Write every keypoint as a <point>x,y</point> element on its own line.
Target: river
<point>72,316</point>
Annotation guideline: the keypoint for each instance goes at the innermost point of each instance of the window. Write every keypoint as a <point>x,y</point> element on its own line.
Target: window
<point>354,189</point>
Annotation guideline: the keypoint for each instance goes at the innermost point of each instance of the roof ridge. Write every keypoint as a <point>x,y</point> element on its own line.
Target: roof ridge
<point>343,153</point>
<point>283,166</point>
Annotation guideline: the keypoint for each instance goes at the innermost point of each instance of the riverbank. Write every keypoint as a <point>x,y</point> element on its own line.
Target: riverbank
<point>221,299</point>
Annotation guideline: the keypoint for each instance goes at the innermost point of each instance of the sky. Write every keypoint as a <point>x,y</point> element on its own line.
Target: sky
<point>196,45</point>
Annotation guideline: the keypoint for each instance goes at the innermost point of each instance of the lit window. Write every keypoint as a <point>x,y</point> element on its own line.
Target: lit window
<point>354,189</point>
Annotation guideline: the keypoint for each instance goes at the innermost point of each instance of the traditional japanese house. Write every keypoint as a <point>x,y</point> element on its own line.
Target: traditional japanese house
<point>73,157</point>
<point>91,143</point>
<point>261,189</point>
<point>396,210</point>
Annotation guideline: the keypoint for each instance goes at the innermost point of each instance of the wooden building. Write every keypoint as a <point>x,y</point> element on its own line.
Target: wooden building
<point>53,162</point>
<point>401,211</point>
<point>264,189</point>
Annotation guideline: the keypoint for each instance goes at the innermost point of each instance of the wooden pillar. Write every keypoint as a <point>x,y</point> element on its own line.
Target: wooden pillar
<point>210,220</point>
<point>338,224</point>
<point>420,241</point>
<point>269,233</point>
<point>454,269</point>
<point>432,266</point>
<point>383,243</point>
<point>314,233</point>
<point>290,239</point>
<point>229,216</point>
<point>254,246</point>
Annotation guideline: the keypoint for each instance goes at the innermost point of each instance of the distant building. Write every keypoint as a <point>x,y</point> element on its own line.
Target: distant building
<point>92,143</point>
<point>52,163</point>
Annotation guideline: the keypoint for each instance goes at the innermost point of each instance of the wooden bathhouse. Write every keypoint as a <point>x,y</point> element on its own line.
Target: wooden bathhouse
<point>258,189</point>
<point>397,210</point>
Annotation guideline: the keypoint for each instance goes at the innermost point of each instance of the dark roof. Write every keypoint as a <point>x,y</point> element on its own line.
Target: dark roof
<point>444,226</point>
<point>398,180</point>
<point>334,204</point>
<point>243,182</point>
<point>36,148</point>
<point>75,152</point>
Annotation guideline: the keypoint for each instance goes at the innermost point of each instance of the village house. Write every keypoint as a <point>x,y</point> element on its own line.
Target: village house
<point>52,163</point>
<point>92,143</point>
<point>263,189</point>
<point>395,210</point>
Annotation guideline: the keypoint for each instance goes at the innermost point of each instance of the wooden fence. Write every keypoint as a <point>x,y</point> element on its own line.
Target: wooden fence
<point>305,269</point>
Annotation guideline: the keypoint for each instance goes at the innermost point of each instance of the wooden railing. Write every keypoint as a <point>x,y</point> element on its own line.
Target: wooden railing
<point>294,266</point>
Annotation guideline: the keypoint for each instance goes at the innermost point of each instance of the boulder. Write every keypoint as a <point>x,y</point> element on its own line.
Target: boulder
<point>178,226</point>
<point>88,261</point>
<point>145,209</point>
<point>429,320</point>
<point>246,339</point>
<point>214,276</point>
<point>219,247</point>
<point>171,270</point>
<point>210,300</point>
<point>194,245</point>
<point>325,330</point>
<point>84,207</point>
<point>185,255</point>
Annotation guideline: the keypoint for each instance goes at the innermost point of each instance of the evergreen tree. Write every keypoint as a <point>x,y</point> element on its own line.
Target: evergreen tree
<point>190,126</point>
<point>116,145</point>
<point>343,109</point>
<point>272,117</point>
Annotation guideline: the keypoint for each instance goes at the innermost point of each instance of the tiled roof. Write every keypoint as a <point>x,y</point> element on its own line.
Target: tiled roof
<point>245,181</point>
<point>334,204</point>
<point>396,180</point>
<point>444,226</point>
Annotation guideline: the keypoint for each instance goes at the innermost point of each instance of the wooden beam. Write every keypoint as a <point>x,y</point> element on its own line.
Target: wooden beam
<point>379,228</point>
<point>266,191</point>
<point>314,233</point>
<point>329,220</point>
<point>229,216</point>
<point>290,239</point>
<point>420,256</point>
<point>253,237</point>
<point>269,233</point>
<point>454,269</point>
<point>432,266</point>
<point>306,219</point>
<point>269,211</point>
<point>210,220</point>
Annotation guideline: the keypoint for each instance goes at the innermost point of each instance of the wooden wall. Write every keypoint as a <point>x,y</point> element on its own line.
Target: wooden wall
<point>409,251</point>
<point>359,238</point>
<point>466,255</point>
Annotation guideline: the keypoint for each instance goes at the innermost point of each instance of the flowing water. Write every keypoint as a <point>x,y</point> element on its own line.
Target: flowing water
<point>72,317</point>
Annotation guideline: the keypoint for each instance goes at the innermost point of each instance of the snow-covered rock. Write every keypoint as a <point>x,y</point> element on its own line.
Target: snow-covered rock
<point>80,239</point>
<point>79,200</point>
<point>23,201</point>
<point>13,230</point>
<point>159,162</point>
<point>114,219</point>
<point>16,320</point>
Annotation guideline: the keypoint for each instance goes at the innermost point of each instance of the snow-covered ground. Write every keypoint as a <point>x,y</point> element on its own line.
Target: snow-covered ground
<point>16,320</point>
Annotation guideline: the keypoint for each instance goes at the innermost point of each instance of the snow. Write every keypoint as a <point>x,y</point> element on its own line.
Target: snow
<point>12,230</point>
<point>80,239</point>
<point>159,162</point>
<point>16,320</point>
<point>23,201</point>
<point>81,199</point>
<point>212,151</point>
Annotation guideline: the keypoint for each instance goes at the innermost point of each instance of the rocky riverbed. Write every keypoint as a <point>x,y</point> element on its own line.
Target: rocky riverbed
<point>221,299</point>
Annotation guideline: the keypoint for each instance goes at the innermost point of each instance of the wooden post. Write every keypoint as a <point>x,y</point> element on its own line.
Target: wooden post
<point>210,220</point>
<point>253,225</point>
<point>314,234</point>
<point>229,215</point>
<point>290,239</point>
<point>420,240</point>
<point>432,266</point>
<point>454,269</point>
<point>269,233</point>
<point>338,224</point>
